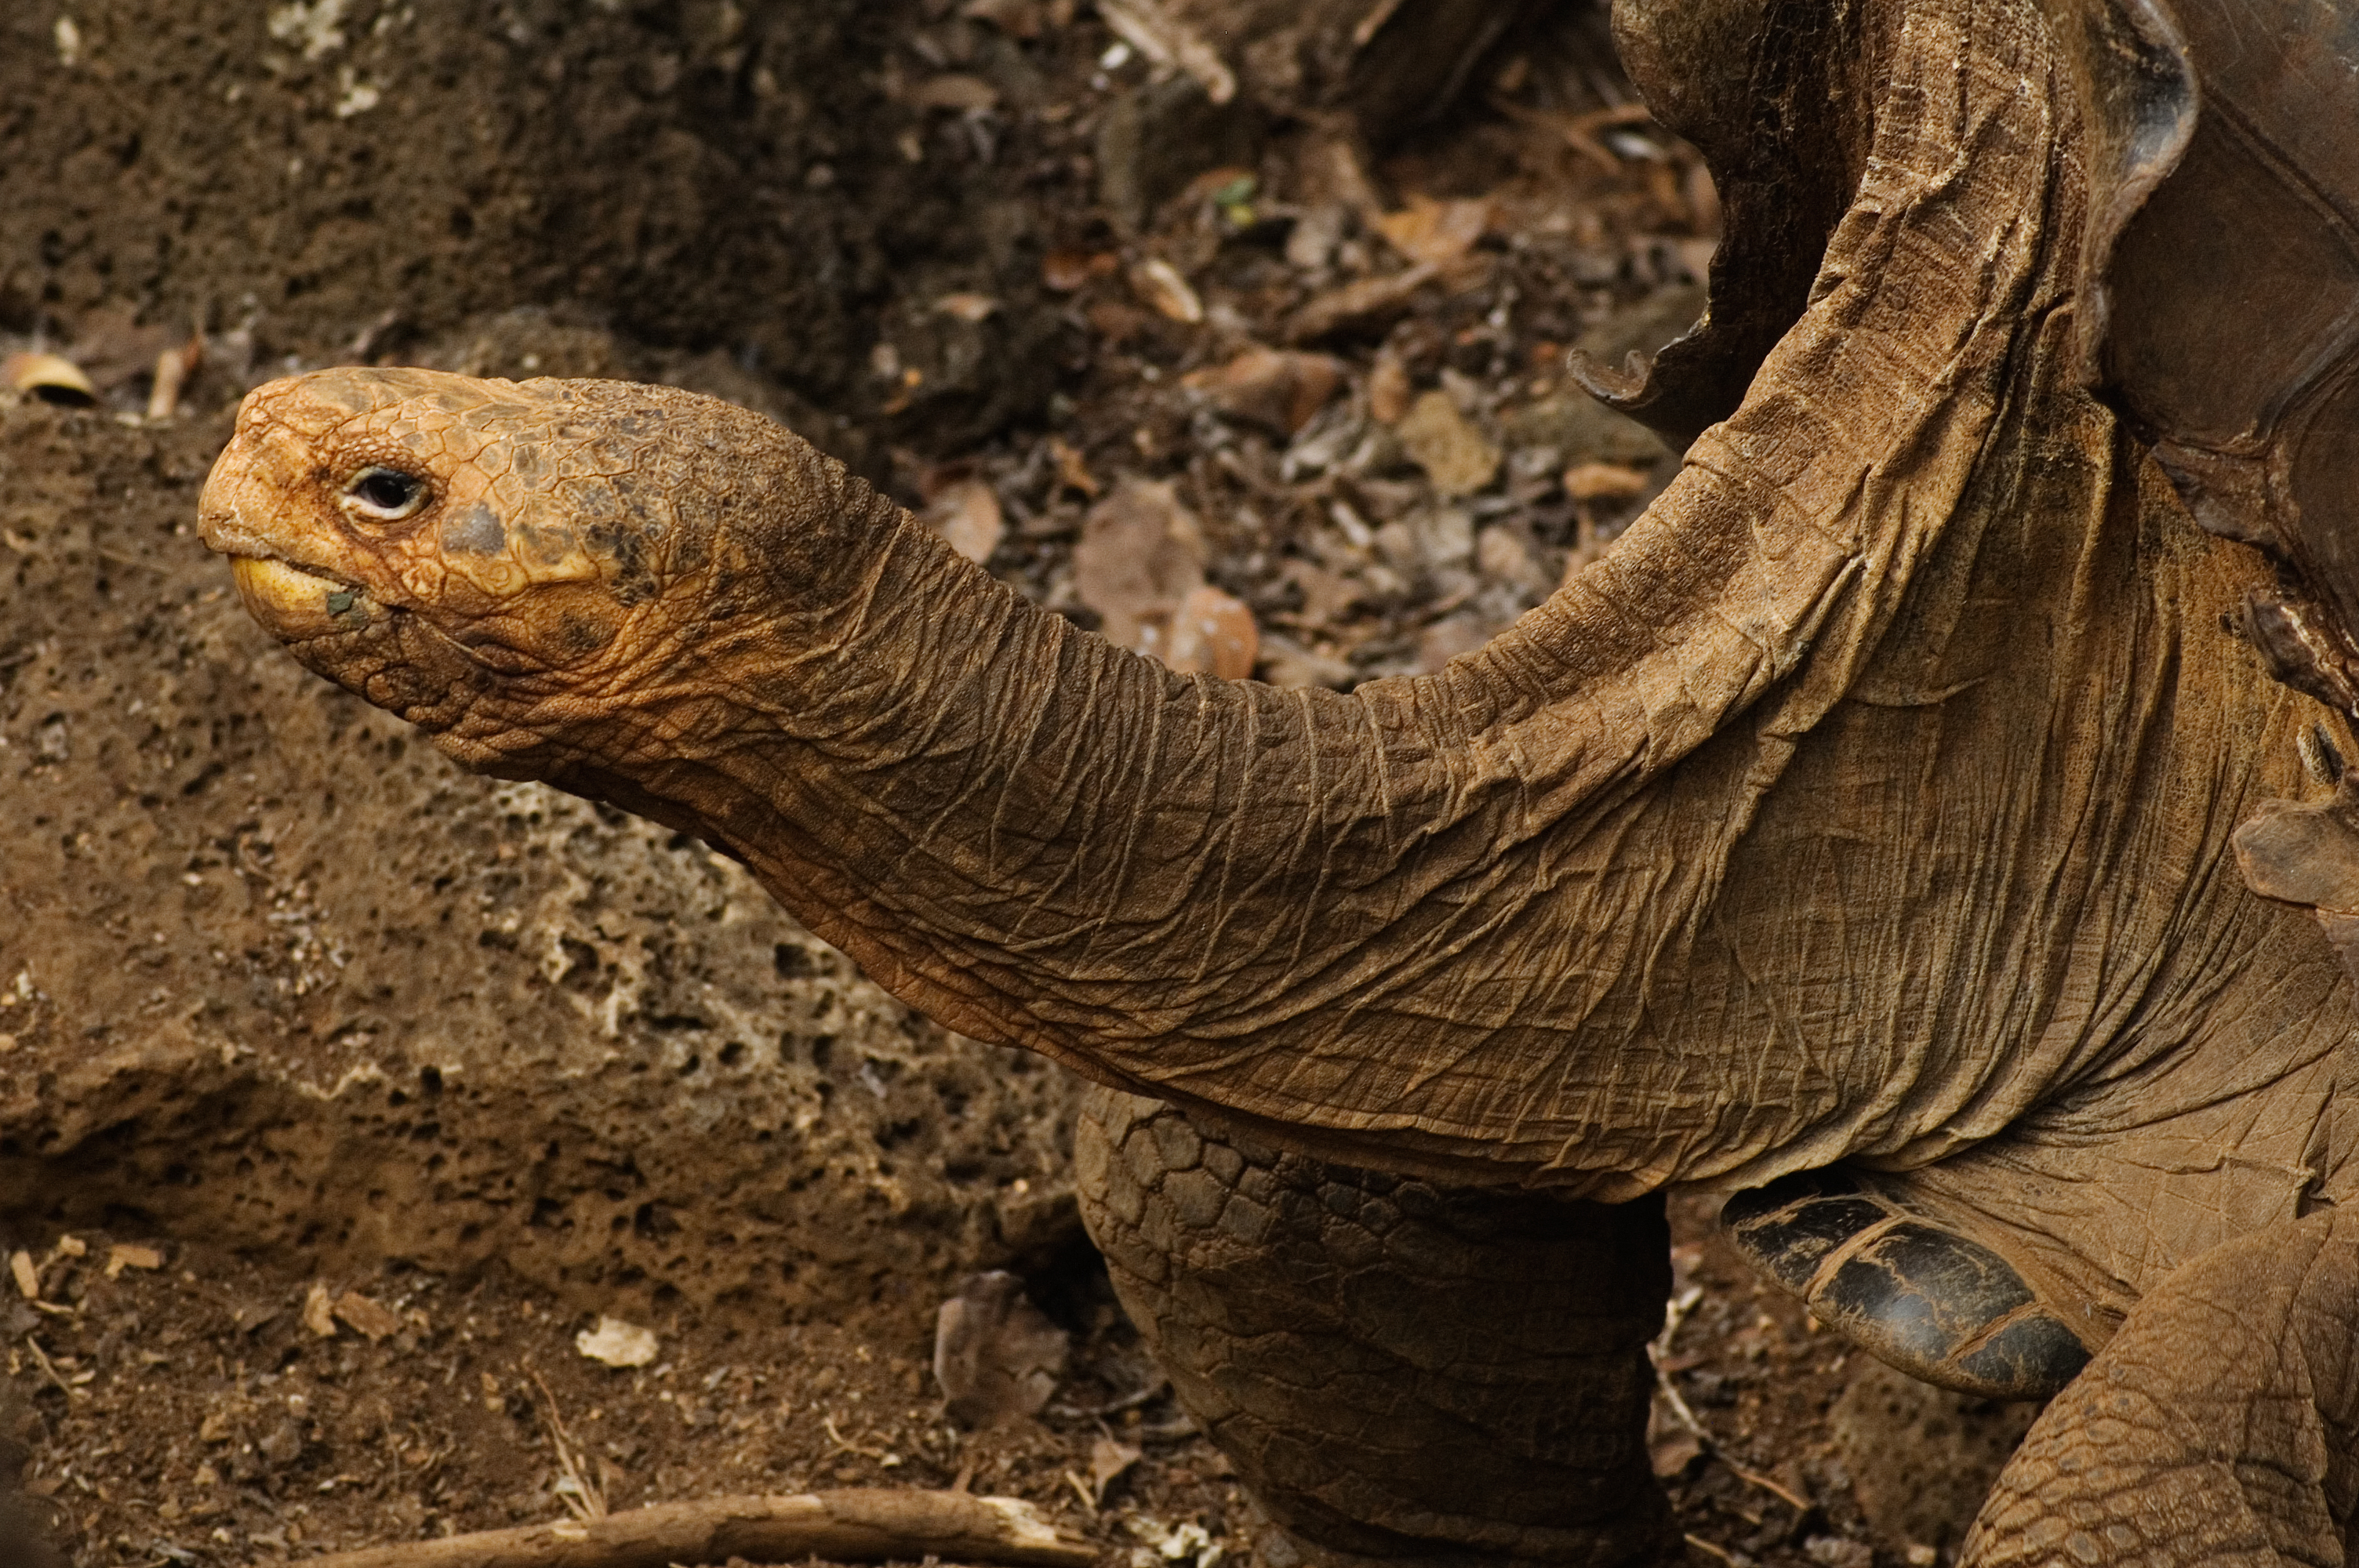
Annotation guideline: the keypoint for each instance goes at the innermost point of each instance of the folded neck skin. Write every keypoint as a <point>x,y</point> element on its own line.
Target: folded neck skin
<point>1877,784</point>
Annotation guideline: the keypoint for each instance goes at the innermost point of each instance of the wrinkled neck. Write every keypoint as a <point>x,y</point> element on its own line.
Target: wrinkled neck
<point>1686,875</point>
<point>1032,835</point>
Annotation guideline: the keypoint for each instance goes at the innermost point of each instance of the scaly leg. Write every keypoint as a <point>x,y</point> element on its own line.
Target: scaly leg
<point>2216,1428</point>
<point>1401,1372</point>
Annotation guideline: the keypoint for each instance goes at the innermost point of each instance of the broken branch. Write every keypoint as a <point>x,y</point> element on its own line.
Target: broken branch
<point>862,1524</point>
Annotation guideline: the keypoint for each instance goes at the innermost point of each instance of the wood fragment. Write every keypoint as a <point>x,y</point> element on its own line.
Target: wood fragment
<point>861,1524</point>
<point>173,368</point>
<point>320,1310</point>
<point>372,1321</point>
<point>128,1256</point>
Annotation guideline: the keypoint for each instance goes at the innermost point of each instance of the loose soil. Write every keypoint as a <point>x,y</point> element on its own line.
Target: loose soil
<point>339,1092</point>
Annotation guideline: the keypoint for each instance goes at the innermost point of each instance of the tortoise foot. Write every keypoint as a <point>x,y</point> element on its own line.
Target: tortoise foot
<point>1912,1289</point>
<point>1402,1374</point>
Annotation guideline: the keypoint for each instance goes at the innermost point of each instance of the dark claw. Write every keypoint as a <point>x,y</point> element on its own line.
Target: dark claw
<point>1931,1302</point>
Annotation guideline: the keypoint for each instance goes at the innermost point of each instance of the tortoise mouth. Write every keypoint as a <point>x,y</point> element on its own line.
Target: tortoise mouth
<point>297,603</point>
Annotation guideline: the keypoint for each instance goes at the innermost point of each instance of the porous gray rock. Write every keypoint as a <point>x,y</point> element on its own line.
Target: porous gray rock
<point>274,972</point>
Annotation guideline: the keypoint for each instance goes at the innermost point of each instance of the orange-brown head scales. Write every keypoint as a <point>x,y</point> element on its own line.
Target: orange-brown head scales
<point>487,558</point>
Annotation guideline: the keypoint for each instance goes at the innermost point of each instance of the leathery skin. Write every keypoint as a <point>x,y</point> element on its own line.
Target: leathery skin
<point>1399,1371</point>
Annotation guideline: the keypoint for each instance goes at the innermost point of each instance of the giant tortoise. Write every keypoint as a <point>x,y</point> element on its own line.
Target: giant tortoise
<point>1930,822</point>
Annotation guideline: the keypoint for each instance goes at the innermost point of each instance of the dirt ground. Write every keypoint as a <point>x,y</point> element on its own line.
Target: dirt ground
<point>340,1091</point>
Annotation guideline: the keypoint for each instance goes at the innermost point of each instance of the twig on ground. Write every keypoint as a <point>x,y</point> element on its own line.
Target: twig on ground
<point>862,1524</point>
<point>846,1445</point>
<point>1146,1395</point>
<point>48,1370</point>
<point>582,1497</point>
<point>1659,1352</point>
<point>1800,1504</point>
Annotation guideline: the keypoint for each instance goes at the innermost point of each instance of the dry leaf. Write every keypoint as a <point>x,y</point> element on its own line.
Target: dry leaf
<point>1501,553</point>
<point>1226,186</point>
<point>1603,482</point>
<point>1276,390</point>
<point>127,1255</point>
<point>1118,324</point>
<point>319,1310</point>
<point>1358,305</point>
<point>1067,269</point>
<point>1670,1446</point>
<point>1325,594</point>
<point>954,91</point>
<point>1435,233</point>
<point>1212,633</point>
<point>1285,662</point>
<point>1146,27</point>
<point>1017,19</point>
<point>1140,555</point>
<point>1072,470</point>
<point>616,1342</point>
<point>1108,1460</point>
<point>968,516</point>
<point>1457,457</point>
<point>1159,285</point>
<point>1311,245</point>
<point>1388,389</point>
<point>1450,636</point>
<point>373,1322</point>
<point>996,1357</point>
<point>968,308</point>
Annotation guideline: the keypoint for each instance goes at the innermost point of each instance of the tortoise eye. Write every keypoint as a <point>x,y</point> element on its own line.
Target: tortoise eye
<point>388,495</point>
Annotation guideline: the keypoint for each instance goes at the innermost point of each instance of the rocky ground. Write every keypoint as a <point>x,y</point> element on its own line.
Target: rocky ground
<point>340,1093</point>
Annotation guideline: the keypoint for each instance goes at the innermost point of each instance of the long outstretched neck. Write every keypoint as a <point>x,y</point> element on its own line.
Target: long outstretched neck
<point>1030,834</point>
<point>1424,913</point>
<point>1288,901</point>
<point>1330,908</point>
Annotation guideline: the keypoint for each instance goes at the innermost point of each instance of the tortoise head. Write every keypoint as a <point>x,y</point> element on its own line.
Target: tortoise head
<point>493,561</point>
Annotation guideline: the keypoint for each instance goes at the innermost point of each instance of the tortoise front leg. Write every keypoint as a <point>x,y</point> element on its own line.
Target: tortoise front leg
<point>2216,1428</point>
<point>1400,1372</point>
